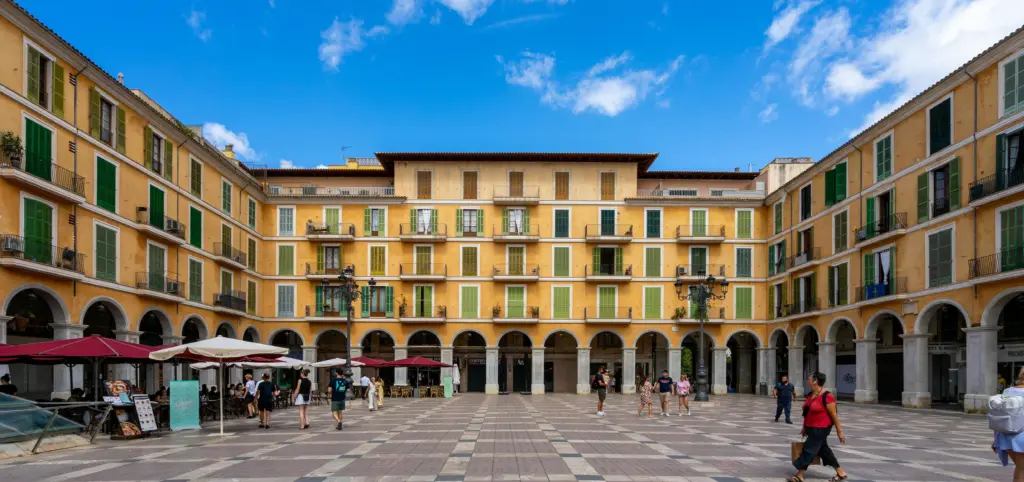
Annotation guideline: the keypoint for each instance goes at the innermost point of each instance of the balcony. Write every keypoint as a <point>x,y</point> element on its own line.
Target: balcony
<point>608,233</point>
<point>684,316</point>
<point>887,227</point>
<point>608,273</point>
<point>514,273</point>
<point>440,315</point>
<point>1001,181</point>
<point>608,314</point>
<point>40,257</point>
<point>168,229</point>
<point>802,307</point>
<point>1001,262</point>
<point>53,180</point>
<point>516,194</point>
<point>331,232</point>
<point>160,285</point>
<point>517,314</point>
<point>689,233</point>
<point>526,233</point>
<point>422,271</point>
<point>229,255</point>
<point>310,191</point>
<point>700,270</point>
<point>326,271</point>
<point>423,232</point>
<point>329,312</point>
<point>897,286</point>
<point>232,302</point>
<point>801,259</point>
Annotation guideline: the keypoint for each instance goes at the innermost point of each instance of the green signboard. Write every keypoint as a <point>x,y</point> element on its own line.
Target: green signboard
<point>184,405</point>
<point>447,387</point>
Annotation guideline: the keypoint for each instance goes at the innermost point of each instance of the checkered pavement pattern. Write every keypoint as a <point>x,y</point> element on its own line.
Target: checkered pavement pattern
<point>555,437</point>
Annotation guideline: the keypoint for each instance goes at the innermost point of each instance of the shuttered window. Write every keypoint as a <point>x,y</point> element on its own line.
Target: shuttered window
<point>561,295</point>
<point>252,254</point>
<point>286,260</point>
<point>38,150</point>
<point>778,217</point>
<point>653,224</point>
<point>744,262</point>
<point>515,184</point>
<point>652,268</point>
<point>1013,85</point>
<point>607,186</point>
<point>607,299</point>
<point>515,302</point>
<point>195,280</point>
<point>286,221</point>
<point>469,181</point>
<point>840,236</point>
<point>744,302</point>
<point>195,228</point>
<point>156,207</point>
<point>744,223</point>
<point>423,255</point>
<point>562,185</point>
<point>106,253</point>
<point>225,202</point>
<point>837,285</point>
<point>377,260</point>
<point>561,254</point>
<point>940,258</point>
<point>1011,239</point>
<point>940,126</point>
<point>699,261</point>
<point>252,214</point>
<point>470,266</point>
<point>699,222</point>
<point>196,178</point>
<point>883,158</point>
<point>423,184</point>
<point>470,302</point>
<point>250,297</point>
<point>285,300</point>
<point>652,303</point>
<point>516,260</point>
<point>561,223</point>
<point>106,185</point>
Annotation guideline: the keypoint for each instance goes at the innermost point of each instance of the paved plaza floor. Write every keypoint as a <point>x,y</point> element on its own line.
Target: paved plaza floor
<point>550,437</point>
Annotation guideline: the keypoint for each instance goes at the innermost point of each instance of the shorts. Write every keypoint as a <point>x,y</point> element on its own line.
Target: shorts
<point>602,393</point>
<point>249,398</point>
<point>265,404</point>
<point>300,400</point>
<point>664,396</point>
<point>684,395</point>
<point>337,405</point>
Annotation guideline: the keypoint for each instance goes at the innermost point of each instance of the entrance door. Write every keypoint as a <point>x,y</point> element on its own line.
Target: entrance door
<point>608,222</point>
<point>549,376</point>
<point>476,379</point>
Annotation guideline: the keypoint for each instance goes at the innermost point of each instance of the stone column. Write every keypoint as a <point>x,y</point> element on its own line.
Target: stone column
<point>447,356</point>
<point>62,379</point>
<point>170,373</point>
<point>771,367</point>
<point>795,372</point>
<point>628,381</point>
<point>827,363</point>
<point>762,369</point>
<point>675,362</point>
<point>125,371</point>
<point>982,352</point>
<point>867,370</point>
<point>401,373</point>
<point>718,362</point>
<point>357,372</point>
<point>916,391</point>
<point>537,379</point>
<point>744,375</point>
<point>3,340</point>
<point>583,371</point>
<point>491,384</point>
<point>309,355</point>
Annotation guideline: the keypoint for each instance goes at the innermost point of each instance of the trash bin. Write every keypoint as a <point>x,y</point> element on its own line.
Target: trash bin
<point>763,389</point>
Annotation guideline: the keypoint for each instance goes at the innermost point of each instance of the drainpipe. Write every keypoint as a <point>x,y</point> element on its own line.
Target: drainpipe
<point>177,212</point>
<point>74,207</point>
<point>974,142</point>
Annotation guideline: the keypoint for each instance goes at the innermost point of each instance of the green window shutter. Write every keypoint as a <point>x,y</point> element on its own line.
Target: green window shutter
<point>869,270</point>
<point>120,131</point>
<point>106,185</point>
<point>225,201</point>
<point>771,260</point>
<point>320,259</point>
<point>814,286</point>
<point>1000,161</point>
<point>652,303</point>
<point>653,268</point>
<point>34,74</point>
<point>480,222</point>
<point>1009,79</point>
<point>954,184</point>
<point>514,299</point>
<point>106,253</point>
<point>842,280</point>
<point>38,150</point>
<point>504,220</point>
<point>922,197</point>
<point>156,207</point>
<point>561,261</point>
<point>332,220</point>
<point>561,223</point>
<point>526,221</point>
<point>389,301</point>
<point>251,258</point>
<point>840,182</point>
<point>366,222</point>
<point>286,260</point>
<point>364,301</point>
<point>883,158</point>
<point>778,218</point>
<point>412,221</point>
<point>94,112</point>
<point>225,238</point>
<point>469,302</point>
<point>319,308</point>
<point>771,302</point>
<point>458,222</point>
<point>433,221</point>
<point>782,250</point>
<point>831,286</point>
<point>606,302</point>
<point>252,214</point>
<point>195,230</point>
<point>699,227</point>
<point>562,310</point>
<point>830,187</point>
<point>195,280</point>
<point>168,159</point>
<point>196,178</point>
<point>744,224</point>
<point>869,214</point>
<point>782,295</point>
<point>57,102</point>
<point>744,303</point>
<point>147,147</point>
<point>618,261</point>
<point>597,261</point>
<point>653,224</point>
<point>743,262</point>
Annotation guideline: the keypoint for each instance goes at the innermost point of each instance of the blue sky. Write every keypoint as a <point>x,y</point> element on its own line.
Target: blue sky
<point>709,85</point>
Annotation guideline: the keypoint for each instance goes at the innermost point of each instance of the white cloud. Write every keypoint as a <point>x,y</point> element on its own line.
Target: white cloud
<point>338,40</point>
<point>436,19</point>
<point>785,23</point>
<point>663,103</point>
<point>829,36</point>
<point>769,114</point>
<point>523,19</point>
<point>845,80</point>
<point>220,136</point>
<point>405,12</point>
<point>602,89</point>
<point>195,20</point>
<point>377,31</point>
<point>286,164</point>
<point>469,10</point>
<point>321,166</point>
<point>832,111</point>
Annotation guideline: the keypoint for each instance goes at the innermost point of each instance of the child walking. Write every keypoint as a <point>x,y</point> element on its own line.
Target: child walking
<point>645,397</point>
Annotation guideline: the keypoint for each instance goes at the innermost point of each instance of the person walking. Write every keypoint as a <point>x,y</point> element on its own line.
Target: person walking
<point>364,384</point>
<point>783,393</point>
<point>1009,446</point>
<point>250,395</point>
<point>379,383</point>
<point>6,386</point>
<point>339,387</point>
<point>820,415</point>
<point>301,397</point>
<point>645,397</point>
<point>265,393</point>
<point>370,393</point>
<point>683,390</point>
<point>666,388</point>
<point>601,385</point>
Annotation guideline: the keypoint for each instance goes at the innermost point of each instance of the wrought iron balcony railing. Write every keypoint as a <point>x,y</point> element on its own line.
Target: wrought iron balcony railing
<point>1001,262</point>
<point>896,286</point>
<point>49,172</point>
<point>166,283</point>
<point>887,224</point>
<point>41,252</point>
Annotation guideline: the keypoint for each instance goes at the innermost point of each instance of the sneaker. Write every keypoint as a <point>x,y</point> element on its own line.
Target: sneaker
<point>680,414</point>
<point>687,411</point>
<point>338,427</point>
<point>262,426</point>
<point>776,420</point>
<point>789,422</point>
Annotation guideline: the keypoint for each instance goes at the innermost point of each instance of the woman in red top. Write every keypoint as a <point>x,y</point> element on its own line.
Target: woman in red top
<point>819,416</point>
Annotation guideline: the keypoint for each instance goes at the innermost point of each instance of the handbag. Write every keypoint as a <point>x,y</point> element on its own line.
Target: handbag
<point>797,448</point>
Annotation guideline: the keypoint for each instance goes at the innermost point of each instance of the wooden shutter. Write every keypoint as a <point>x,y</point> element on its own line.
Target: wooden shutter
<point>479,222</point>
<point>515,307</point>
<point>168,159</point>
<point>504,220</point>
<point>771,302</point>
<point>34,74</point>
<point>840,182</point>
<point>286,260</point>
<point>700,227</point>
<point>596,268</point>
<point>423,181</point>
<point>121,130</point>
<point>433,221</point>
<point>869,214</point>
<point>606,302</point>
<point>195,230</point>
<point>320,258</point>
<point>813,288</point>
<point>147,147</point>
<point>831,286</point>
<point>922,197</point>
<point>830,187</point>
<point>94,112</point>
<point>515,184</point>
<point>458,222</point>
<point>252,254</point>
<point>652,303</point>
<point>318,309</point>
<point>516,260</point>
<point>653,267</point>
<point>470,305</point>
<point>156,207</point>
<point>744,224</point>
<point>195,280</point>
<point>954,184</point>
<point>562,261</point>
<point>744,303</point>
<point>778,218</point>
<point>57,101</point>
<point>469,185</point>
<point>1001,161</point>
<point>365,299</point>
<point>771,260</point>
<point>38,150</point>
<point>561,185</point>
<point>106,253</point>
<point>869,271</point>
<point>526,221</point>
<point>653,224</point>
<point>607,186</point>
<point>106,185</point>
<point>618,261</point>
<point>225,239</point>
<point>561,223</point>
<point>743,262</point>
<point>842,280</point>
<point>366,222</point>
<point>561,295</point>
<point>389,301</point>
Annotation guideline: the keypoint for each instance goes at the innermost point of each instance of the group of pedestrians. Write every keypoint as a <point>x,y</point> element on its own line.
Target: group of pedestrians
<point>667,388</point>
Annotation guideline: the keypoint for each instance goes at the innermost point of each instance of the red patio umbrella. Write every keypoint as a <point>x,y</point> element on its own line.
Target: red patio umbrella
<point>417,362</point>
<point>371,362</point>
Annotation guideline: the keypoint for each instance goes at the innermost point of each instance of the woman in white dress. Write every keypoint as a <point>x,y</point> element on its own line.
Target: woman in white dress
<point>372,396</point>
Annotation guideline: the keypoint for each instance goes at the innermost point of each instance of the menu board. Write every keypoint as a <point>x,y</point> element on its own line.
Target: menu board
<point>147,422</point>
<point>184,404</point>
<point>128,427</point>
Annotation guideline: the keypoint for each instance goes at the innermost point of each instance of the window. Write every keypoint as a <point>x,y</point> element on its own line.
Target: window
<point>250,297</point>
<point>698,222</point>
<point>469,185</point>
<point>607,222</point>
<point>196,178</point>
<point>777,258</point>
<point>838,277</point>
<point>515,184</point>
<point>285,300</point>
<point>156,207</point>
<point>106,121</point>
<point>717,193</point>
<point>423,301</point>
<point>835,184</point>
<point>225,202</point>
<point>329,301</point>
<point>607,262</point>
<point>682,192</point>
<point>561,223</point>
<point>883,158</point>
<point>195,280</point>
<point>804,245</point>
<point>744,223</point>
<point>607,302</point>
<point>940,125</point>
<point>778,217</point>
<point>561,185</point>
<point>698,261</point>
<point>39,147</point>
<point>42,78</point>
<point>226,238</point>
<point>156,266</point>
<point>423,256</point>
<point>515,302</point>
<point>252,213</point>
<point>941,186</point>
<point>252,254</point>
<point>195,228</point>
<point>652,262</point>
<point>106,184</point>
<point>940,258</point>
<point>744,296</point>
<point>744,262</point>
<point>470,265</point>
<point>607,186</point>
<point>332,220</point>
<point>561,255</point>
<point>562,305</point>
<point>154,151</point>
<point>515,221</point>
<point>1009,162</point>
<point>840,230</point>
<point>653,222</point>
<point>1012,73</point>
<point>328,259</point>
<point>516,259</point>
<point>652,302</point>
<point>374,222</point>
<point>805,202</point>
<point>286,259</point>
<point>423,184</point>
<point>469,222</point>
<point>423,221</point>
<point>285,221</point>
<point>377,301</point>
<point>378,260</point>
<point>777,300</point>
<point>1011,238</point>
<point>470,300</point>
<point>879,273</point>
<point>106,253</point>
<point>805,294</point>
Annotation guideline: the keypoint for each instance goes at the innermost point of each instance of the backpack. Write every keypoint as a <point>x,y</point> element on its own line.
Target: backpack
<point>594,383</point>
<point>1006,414</point>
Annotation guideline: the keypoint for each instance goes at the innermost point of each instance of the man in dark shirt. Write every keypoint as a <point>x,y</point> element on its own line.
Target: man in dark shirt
<point>7,387</point>
<point>666,387</point>
<point>783,393</point>
<point>339,388</point>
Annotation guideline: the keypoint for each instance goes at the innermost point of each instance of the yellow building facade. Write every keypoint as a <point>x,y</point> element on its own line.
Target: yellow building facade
<point>893,265</point>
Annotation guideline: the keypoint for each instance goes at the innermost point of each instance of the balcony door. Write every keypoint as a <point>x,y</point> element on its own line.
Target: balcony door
<point>607,299</point>
<point>605,262</point>
<point>423,300</point>
<point>607,222</point>
<point>699,261</point>
<point>156,266</point>
<point>515,184</point>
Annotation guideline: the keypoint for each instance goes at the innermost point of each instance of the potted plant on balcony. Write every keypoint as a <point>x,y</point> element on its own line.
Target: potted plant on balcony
<point>442,311</point>
<point>496,311</point>
<point>535,311</point>
<point>402,307</point>
<point>10,145</point>
<point>679,314</point>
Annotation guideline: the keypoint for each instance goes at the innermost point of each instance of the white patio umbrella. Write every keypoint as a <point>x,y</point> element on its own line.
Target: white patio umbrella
<point>336,362</point>
<point>219,350</point>
<point>280,362</point>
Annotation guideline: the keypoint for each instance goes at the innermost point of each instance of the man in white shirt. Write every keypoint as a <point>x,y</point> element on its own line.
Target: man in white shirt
<point>250,395</point>
<point>364,382</point>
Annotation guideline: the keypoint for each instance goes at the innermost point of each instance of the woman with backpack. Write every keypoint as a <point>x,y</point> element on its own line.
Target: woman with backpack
<point>1008,445</point>
<point>819,417</point>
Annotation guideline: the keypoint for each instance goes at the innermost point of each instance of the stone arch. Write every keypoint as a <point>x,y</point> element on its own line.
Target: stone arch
<point>696,334</point>
<point>255,331</point>
<point>590,341</point>
<point>561,330</point>
<point>162,316</point>
<point>773,337</point>
<point>316,340</point>
<point>799,334</point>
<point>757,338</point>
<point>468,330</point>
<point>440,339</point>
<point>230,329</point>
<point>924,317</point>
<point>363,337</point>
<point>994,308</point>
<point>833,328</point>
<point>204,332</point>
<point>302,339</point>
<point>58,308</point>
<point>515,330</point>
<point>120,319</point>
<point>636,340</point>
<point>870,330</point>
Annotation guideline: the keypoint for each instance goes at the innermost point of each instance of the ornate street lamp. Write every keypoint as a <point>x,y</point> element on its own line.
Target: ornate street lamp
<point>349,293</point>
<point>702,294</point>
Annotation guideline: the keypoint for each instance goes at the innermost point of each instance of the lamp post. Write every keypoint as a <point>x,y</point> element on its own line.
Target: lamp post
<point>702,293</point>
<point>349,292</point>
